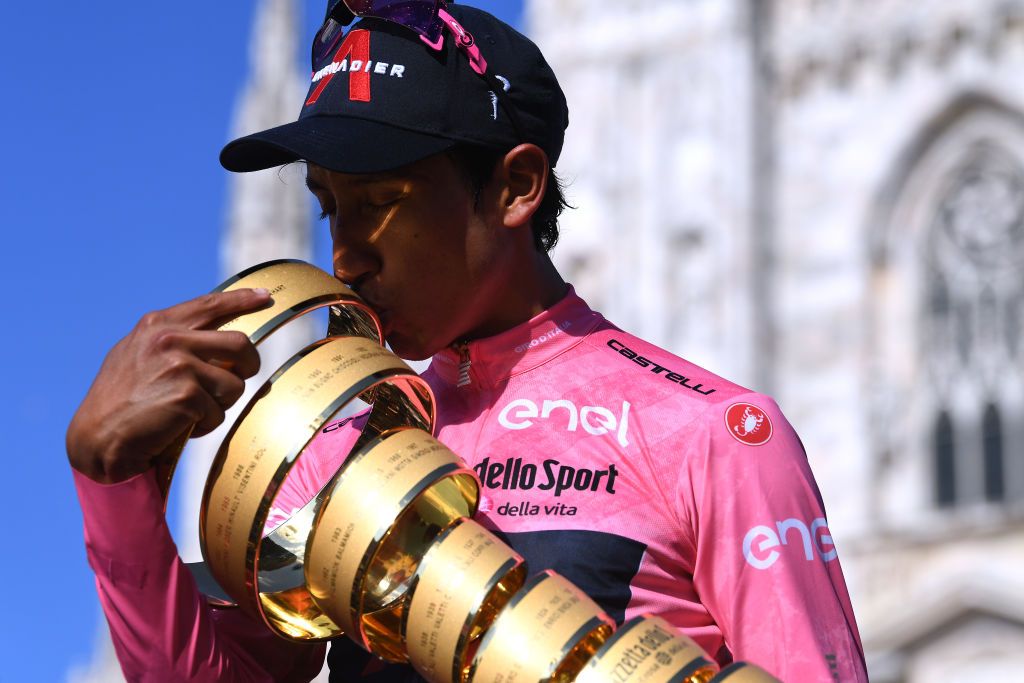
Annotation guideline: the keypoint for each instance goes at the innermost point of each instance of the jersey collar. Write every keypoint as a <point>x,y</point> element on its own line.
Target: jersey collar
<point>520,349</point>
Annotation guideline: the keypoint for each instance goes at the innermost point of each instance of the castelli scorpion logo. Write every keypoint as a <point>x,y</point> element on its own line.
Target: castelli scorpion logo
<point>751,422</point>
<point>748,424</point>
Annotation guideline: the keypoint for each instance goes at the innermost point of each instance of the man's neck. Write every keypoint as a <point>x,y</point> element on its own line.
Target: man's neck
<point>531,292</point>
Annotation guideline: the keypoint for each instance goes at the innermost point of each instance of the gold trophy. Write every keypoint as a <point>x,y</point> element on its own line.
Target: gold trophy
<point>388,553</point>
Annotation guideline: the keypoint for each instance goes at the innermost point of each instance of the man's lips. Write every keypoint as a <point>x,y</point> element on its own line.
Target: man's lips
<point>384,315</point>
<point>372,303</point>
<point>383,312</point>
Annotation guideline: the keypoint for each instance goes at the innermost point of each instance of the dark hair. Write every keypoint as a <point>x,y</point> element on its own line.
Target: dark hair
<point>477,165</point>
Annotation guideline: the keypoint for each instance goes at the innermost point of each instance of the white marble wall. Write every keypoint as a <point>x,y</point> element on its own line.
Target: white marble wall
<point>656,157</point>
<point>662,160</point>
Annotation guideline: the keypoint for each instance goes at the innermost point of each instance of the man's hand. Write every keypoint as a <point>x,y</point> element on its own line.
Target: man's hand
<point>173,371</point>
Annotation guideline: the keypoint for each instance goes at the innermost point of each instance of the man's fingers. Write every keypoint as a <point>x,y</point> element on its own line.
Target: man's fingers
<point>229,350</point>
<point>213,392</point>
<point>205,311</point>
<point>210,413</point>
<point>222,386</point>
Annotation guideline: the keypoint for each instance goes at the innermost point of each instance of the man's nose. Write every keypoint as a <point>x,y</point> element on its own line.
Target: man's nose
<point>354,265</point>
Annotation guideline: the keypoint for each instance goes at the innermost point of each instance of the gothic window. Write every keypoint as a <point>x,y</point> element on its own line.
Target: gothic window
<point>1014,316</point>
<point>945,464</point>
<point>992,447</point>
<point>974,253</point>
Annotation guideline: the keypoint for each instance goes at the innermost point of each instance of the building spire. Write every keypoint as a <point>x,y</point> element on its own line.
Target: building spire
<point>274,46</point>
<point>268,214</point>
<point>267,218</point>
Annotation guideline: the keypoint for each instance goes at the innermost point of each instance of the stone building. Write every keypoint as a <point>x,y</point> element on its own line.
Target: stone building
<point>824,200</point>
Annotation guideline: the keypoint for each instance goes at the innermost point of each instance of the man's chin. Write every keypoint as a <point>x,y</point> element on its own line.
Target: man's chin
<point>409,349</point>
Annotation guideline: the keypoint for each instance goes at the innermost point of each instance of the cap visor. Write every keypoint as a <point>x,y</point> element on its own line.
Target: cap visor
<point>336,143</point>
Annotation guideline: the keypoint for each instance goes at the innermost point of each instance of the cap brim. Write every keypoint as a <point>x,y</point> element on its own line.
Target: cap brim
<point>336,143</point>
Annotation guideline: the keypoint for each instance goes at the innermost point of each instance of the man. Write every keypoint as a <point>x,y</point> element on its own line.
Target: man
<point>652,484</point>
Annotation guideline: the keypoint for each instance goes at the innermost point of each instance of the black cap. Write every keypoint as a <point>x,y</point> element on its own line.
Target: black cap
<point>384,99</point>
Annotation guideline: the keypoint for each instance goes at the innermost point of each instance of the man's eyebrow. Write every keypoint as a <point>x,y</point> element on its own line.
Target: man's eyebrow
<point>386,177</point>
<point>369,179</point>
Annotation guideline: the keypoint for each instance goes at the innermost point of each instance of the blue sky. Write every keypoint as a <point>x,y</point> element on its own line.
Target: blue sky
<point>112,204</point>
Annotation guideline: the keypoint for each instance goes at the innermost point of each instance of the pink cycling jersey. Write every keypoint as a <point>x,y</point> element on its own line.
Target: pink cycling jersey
<point>652,484</point>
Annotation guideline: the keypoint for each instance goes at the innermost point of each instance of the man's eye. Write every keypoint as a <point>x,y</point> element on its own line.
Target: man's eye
<point>325,214</point>
<point>384,200</point>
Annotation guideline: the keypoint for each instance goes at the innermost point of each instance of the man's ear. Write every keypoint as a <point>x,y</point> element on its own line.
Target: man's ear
<point>524,180</point>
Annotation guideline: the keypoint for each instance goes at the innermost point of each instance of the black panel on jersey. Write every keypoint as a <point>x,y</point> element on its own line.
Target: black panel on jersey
<point>601,564</point>
<point>348,663</point>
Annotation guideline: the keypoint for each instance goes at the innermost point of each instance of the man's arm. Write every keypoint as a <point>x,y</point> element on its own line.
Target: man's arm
<point>173,371</point>
<point>161,627</point>
<point>766,567</point>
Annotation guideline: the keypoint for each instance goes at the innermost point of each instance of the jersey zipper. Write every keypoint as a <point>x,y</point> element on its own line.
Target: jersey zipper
<point>464,364</point>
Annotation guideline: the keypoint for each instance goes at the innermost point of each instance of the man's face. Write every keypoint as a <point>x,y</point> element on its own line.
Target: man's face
<point>412,245</point>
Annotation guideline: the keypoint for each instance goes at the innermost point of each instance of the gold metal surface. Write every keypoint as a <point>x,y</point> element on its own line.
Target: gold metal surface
<point>463,582</point>
<point>547,632</point>
<point>417,528</point>
<point>255,458</point>
<point>399,402</point>
<point>296,288</point>
<point>387,552</point>
<point>648,649</point>
<point>380,515</point>
<point>743,672</point>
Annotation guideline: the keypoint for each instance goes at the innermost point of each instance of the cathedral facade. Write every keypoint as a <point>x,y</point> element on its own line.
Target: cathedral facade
<point>824,200</point>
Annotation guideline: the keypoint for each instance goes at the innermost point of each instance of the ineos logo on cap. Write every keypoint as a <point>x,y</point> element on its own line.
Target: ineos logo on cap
<point>354,57</point>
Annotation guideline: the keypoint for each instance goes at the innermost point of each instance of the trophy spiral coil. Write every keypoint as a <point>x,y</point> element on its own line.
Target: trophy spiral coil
<point>388,553</point>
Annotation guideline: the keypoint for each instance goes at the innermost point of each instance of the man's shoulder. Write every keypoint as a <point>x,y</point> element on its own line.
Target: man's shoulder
<point>673,390</point>
<point>644,366</point>
<point>672,398</point>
